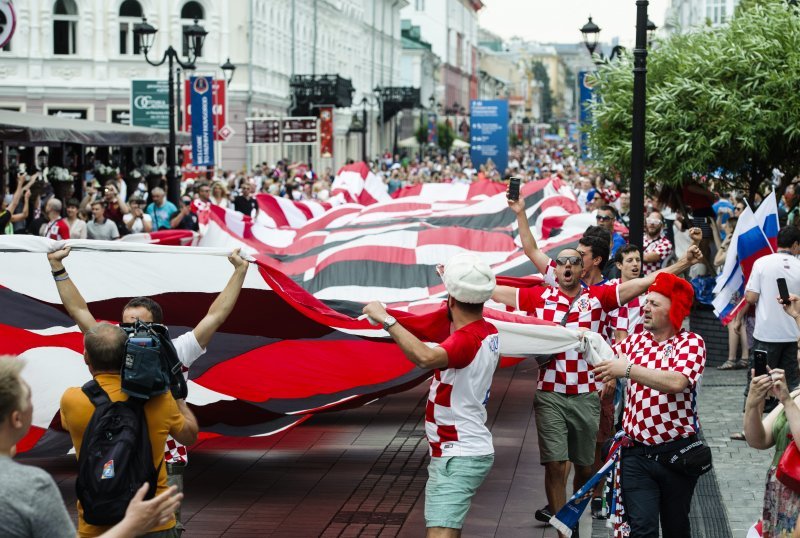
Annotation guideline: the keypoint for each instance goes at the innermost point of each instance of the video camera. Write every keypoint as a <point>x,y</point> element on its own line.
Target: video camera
<point>151,365</point>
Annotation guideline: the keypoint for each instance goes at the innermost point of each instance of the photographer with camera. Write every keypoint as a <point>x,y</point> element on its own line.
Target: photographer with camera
<point>188,347</point>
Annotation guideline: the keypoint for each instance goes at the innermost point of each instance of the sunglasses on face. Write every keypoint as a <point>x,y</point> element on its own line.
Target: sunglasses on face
<point>603,218</point>
<point>654,222</point>
<point>572,260</point>
<point>739,208</point>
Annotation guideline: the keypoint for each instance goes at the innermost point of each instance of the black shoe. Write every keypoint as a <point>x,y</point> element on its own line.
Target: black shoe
<point>597,509</point>
<point>543,514</point>
<point>576,532</point>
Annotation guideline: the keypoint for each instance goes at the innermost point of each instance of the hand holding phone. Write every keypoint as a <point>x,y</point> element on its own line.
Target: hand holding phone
<point>513,188</point>
<point>759,362</point>
<point>783,291</point>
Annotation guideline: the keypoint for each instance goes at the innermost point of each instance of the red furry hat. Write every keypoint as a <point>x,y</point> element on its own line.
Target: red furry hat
<point>680,293</point>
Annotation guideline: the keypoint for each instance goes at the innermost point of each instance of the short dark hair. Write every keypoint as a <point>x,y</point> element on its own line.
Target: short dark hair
<point>788,236</point>
<point>611,208</point>
<point>146,302</point>
<point>626,249</point>
<point>599,246</point>
<point>470,308</point>
<point>598,231</point>
<point>72,202</point>
<point>105,347</point>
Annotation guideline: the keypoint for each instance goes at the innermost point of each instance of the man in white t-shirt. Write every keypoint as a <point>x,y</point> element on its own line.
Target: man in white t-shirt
<point>461,446</point>
<point>775,332</point>
<point>189,346</point>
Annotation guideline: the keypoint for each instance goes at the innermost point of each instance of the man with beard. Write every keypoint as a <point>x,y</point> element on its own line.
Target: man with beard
<point>656,248</point>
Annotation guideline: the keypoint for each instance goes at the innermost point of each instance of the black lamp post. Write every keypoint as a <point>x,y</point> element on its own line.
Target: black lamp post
<point>364,131</point>
<point>645,29</point>
<point>194,36</point>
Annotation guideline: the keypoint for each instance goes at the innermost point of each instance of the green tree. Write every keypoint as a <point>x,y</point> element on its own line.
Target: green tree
<point>726,97</point>
<point>546,98</point>
<point>446,136</point>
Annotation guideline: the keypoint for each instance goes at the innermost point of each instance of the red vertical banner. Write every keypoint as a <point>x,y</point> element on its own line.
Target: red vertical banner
<point>326,131</point>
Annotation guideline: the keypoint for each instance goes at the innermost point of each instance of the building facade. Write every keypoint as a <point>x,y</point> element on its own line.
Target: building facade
<point>77,58</point>
<point>686,15</point>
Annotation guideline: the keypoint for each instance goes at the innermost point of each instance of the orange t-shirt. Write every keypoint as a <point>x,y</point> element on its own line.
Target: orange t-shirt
<point>161,413</point>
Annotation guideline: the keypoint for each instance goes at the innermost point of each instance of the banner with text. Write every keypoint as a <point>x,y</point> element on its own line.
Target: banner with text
<point>150,104</point>
<point>585,97</point>
<point>202,121</point>
<point>489,133</point>
<point>219,108</point>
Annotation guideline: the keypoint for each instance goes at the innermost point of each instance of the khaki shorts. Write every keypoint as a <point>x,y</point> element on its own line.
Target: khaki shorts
<point>567,426</point>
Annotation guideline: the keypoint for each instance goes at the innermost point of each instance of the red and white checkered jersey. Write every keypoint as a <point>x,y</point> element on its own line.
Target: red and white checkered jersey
<point>627,317</point>
<point>661,245</point>
<point>652,417</point>
<point>57,229</point>
<point>568,372</point>
<point>189,350</point>
<point>455,416</point>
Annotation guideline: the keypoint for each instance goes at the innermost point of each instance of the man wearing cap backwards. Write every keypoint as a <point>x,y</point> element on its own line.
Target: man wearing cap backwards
<point>461,446</point>
<point>566,401</point>
<point>664,366</point>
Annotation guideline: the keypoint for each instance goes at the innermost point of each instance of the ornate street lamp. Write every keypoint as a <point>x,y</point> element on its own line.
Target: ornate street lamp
<point>228,68</point>
<point>194,36</point>
<point>591,34</point>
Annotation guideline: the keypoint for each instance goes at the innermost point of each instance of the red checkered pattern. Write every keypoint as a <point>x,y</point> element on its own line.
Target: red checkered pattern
<point>568,372</point>
<point>652,417</point>
<point>175,452</point>
<point>661,245</point>
<point>627,317</point>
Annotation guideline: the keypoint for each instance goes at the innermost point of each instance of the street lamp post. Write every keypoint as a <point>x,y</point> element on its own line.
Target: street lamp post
<point>364,102</point>
<point>194,35</point>
<point>645,29</point>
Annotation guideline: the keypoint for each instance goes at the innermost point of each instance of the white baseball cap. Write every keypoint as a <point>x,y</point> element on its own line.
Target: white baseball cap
<point>468,278</point>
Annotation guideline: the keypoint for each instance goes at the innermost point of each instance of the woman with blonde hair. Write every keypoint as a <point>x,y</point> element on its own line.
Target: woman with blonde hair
<point>219,194</point>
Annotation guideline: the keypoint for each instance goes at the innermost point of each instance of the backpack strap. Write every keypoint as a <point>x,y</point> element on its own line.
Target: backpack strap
<point>95,393</point>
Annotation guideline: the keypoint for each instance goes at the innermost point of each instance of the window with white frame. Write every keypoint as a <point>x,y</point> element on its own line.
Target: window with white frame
<point>65,27</point>
<point>716,11</point>
<point>130,13</point>
<point>189,12</point>
<point>419,5</point>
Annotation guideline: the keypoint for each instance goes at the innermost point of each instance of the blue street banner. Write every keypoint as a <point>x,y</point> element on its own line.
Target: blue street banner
<point>585,97</point>
<point>489,133</point>
<point>202,100</point>
<point>433,130</point>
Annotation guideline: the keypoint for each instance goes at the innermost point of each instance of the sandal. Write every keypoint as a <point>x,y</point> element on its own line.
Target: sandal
<point>729,364</point>
<point>744,363</point>
<point>738,436</point>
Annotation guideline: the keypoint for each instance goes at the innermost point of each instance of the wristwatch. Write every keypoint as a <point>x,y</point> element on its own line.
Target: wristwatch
<point>388,322</point>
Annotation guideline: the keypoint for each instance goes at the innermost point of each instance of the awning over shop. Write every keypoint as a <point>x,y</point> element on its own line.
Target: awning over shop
<point>41,130</point>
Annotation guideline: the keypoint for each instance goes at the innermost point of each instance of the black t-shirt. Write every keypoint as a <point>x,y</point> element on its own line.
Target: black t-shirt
<point>5,218</point>
<point>189,222</point>
<point>245,205</point>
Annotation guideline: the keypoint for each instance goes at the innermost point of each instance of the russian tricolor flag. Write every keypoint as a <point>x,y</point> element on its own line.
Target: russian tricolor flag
<point>756,235</point>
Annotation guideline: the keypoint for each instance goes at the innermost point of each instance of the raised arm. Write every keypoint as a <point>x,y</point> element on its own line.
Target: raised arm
<point>540,259</point>
<point>506,295</point>
<point>224,303</point>
<point>71,298</point>
<point>633,288</point>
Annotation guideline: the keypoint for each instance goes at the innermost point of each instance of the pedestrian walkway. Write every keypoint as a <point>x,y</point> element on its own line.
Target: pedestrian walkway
<point>362,472</point>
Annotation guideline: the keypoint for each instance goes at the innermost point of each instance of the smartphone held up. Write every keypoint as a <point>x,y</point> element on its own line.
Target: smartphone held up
<point>759,362</point>
<point>513,188</point>
<point>783,291</point>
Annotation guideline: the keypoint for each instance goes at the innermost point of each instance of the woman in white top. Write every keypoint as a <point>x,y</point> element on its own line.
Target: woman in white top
<point>137,221</point>
<point>219,194</point>
<point>77,227</point>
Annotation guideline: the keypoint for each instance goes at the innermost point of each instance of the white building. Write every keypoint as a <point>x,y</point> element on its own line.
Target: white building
<point>451,27</point>
<point>77,57</point>
<point>686,15</point>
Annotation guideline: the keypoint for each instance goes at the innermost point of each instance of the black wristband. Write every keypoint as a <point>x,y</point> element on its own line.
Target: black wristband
<point>59,272</point>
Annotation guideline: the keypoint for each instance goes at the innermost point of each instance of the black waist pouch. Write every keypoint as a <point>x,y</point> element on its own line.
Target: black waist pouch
<point>691,459</point>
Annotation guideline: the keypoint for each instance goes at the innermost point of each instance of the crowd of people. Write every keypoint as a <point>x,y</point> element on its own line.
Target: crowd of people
<point>634,292</point>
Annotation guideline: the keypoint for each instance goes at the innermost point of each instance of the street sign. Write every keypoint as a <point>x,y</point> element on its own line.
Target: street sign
<point>150,104</point>
<point>123,117</point>
<point>263,131</point>
<point>299,124</point>
<point>71,113</point>
<point>489,133</point>
<point>225,132</point>
<point>300,138</point>
<point>219,108</point>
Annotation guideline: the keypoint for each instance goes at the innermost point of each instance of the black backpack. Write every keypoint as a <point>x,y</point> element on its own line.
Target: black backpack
<point>116,458</point>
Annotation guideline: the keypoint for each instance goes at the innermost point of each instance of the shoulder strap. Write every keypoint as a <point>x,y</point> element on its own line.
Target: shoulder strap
<point>95,392</point>
<point>563,322</point>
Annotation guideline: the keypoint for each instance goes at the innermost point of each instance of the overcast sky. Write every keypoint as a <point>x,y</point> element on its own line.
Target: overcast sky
<point>559,21</point>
